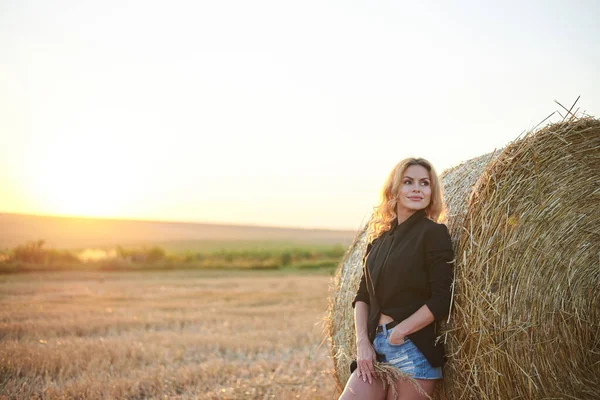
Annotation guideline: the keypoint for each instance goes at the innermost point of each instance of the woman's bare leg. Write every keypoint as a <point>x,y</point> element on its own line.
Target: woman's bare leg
<point>357,389</point>
<point>407,391</point>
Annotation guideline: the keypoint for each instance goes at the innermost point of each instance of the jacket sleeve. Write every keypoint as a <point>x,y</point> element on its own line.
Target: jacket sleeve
<point>439,261</point>
<point>363,294</point>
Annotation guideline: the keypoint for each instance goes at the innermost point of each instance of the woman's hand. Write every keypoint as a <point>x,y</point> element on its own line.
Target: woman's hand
<point>397,336</point>
<point>364,360</point>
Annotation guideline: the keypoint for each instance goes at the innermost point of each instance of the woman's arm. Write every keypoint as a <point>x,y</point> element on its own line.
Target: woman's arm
<point>361,314</point>
<point>420,319</point>
<point>364,348</point>
<point>439,261</point>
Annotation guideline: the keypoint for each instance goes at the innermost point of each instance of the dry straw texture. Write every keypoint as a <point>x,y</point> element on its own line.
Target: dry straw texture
<point>177,335</point>
<point>526,312</point>
<point>340,317</point>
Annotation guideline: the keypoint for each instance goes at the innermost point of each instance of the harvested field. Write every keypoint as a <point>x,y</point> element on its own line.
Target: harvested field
<point>156,335</point>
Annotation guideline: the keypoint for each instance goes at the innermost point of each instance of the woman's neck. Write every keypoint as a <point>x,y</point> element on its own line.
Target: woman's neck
<point>403,215</point>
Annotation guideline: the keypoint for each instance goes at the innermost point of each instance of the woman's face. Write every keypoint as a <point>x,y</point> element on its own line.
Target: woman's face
<point>415,190</point>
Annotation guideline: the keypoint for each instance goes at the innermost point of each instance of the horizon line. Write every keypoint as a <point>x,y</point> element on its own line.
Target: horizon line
<point>170,221</point>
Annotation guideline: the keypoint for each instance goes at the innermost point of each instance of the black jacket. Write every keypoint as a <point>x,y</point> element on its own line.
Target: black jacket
<point>406,267</point>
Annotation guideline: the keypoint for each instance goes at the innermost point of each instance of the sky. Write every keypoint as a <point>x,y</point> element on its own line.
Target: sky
<point>271,113</point>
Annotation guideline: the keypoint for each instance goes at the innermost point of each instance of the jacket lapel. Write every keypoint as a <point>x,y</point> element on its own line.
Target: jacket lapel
<point>392,238</point>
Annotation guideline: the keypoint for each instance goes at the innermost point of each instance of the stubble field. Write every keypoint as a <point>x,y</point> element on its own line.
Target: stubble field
<point>164,334</point>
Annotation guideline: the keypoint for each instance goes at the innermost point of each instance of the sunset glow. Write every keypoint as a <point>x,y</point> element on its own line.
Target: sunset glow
<point>269,113</point>
<point>72,178</point>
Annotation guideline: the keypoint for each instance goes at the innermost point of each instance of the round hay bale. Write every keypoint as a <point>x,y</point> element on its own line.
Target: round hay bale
<point>525,315</point>
<point>527,299</point>
<point>340,315</point>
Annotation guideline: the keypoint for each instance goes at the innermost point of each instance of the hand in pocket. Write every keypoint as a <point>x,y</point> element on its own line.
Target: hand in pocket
<point>397,337</point>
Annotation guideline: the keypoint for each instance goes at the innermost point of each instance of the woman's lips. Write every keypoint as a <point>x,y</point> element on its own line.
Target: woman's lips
<point>416,198</point>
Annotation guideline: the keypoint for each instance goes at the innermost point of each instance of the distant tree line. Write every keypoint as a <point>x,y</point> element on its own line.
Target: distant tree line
<point>35,253</point>
<point>35,256</point>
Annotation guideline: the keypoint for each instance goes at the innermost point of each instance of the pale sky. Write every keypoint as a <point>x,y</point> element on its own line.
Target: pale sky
<point>269,112</point>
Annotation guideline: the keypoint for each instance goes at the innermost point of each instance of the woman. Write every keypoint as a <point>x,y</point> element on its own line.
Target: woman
<point>405,289</point>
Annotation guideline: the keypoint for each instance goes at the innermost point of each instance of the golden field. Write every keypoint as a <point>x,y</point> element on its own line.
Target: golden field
<point>164,334</point>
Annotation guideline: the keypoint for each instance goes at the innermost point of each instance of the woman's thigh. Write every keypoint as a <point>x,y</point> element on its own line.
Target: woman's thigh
<point>407,391</point>
<point>357,389</point>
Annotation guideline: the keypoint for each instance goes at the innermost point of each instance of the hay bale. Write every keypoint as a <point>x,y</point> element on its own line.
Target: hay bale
<point>525,319</point>
<point>340,315</point>
<point>458,185</point>
<point>527,307</point>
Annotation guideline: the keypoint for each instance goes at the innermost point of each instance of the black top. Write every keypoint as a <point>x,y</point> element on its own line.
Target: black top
<point>408,266</point>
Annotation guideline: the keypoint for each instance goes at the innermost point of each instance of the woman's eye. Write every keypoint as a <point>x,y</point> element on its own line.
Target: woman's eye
<point>407,182</point>
<point>425,183</point>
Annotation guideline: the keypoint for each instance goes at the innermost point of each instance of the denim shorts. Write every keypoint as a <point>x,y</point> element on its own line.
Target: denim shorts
<point>406,357</point>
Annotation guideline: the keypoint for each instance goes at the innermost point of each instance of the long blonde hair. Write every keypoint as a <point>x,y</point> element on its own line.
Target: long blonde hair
<point>385,212</point>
